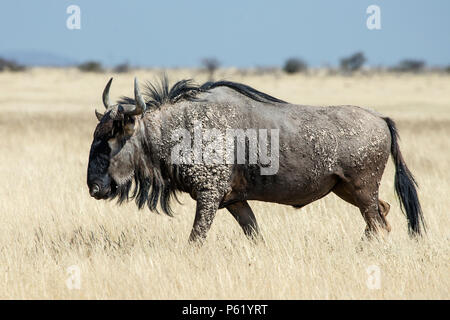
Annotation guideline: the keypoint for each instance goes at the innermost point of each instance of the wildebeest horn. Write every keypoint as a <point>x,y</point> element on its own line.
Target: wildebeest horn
<point>106,101</point>
<point>140,103</point>
<point>98,115</point>
<point>140,106</point>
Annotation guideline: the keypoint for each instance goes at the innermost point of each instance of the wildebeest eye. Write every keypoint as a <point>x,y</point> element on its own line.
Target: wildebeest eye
<point>114,131</point>
<point>128,120</point>
<point>117,126</point>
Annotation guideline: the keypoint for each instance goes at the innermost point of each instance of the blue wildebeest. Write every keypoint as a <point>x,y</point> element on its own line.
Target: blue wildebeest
<point>340,149</point>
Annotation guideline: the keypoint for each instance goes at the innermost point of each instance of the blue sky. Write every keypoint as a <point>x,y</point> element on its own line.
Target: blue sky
<point>238,33</point>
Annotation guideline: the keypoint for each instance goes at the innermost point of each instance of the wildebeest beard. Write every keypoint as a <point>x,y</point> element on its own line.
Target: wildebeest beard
<point>153,185</point>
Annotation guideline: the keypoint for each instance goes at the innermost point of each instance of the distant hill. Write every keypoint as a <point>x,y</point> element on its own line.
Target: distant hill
<point>38,58</point>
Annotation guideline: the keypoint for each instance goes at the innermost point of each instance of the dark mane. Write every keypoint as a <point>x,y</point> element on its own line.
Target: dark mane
<point>242,89</point>
<point>157,95</point>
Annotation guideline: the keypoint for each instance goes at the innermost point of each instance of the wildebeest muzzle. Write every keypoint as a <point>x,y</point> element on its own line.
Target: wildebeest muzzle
<point>100,187</point>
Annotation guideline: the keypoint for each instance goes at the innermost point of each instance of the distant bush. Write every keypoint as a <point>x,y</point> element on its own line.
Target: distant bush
<point>91,66</point>
<point>9,65</point>
<point>353,62</point>
<point>447,69</point>
<point>410,65</point>
<point>294,65</point>
<point>122,68</point>
<point>211,65</point>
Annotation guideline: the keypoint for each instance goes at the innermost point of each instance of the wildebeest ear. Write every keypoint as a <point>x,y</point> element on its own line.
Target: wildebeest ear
<point>128,125</point>
<point>98,115</point>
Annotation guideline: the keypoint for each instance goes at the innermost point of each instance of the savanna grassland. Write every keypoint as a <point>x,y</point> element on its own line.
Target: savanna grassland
<point>48,221</point>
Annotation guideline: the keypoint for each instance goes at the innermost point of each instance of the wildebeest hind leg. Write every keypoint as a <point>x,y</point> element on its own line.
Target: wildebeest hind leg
<point>243,214</point>
<point>373,210</point>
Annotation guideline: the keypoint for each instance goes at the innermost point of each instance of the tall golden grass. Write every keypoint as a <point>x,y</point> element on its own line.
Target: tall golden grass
<point>48,221</point>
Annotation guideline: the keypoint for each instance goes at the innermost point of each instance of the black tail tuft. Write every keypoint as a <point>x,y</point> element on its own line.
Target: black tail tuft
<point>405,186</point>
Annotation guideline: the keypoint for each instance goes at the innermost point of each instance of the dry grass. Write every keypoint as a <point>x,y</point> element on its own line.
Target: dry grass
<point>48,222</point>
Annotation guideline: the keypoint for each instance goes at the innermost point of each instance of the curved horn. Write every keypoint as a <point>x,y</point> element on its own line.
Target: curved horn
<point>140,103</point>
<point>98,115</point>
<point>106,101</point>
<point>140,106</point>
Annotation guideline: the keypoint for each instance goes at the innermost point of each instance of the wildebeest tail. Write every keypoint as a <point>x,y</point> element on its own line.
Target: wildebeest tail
<point>405,185</point>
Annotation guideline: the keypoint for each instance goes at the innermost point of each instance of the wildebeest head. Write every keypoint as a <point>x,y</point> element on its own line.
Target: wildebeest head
<point>116,150</point>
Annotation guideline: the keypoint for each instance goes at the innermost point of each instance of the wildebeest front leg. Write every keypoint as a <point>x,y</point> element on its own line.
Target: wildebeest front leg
<point>207,205</point>
<point>243,214</point>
